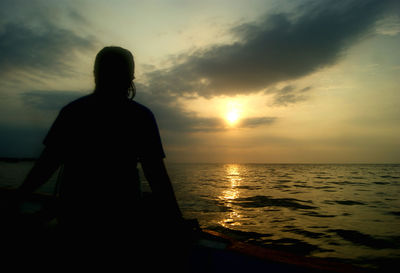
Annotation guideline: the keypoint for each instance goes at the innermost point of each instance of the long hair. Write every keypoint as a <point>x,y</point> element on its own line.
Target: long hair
<point>114,70</point>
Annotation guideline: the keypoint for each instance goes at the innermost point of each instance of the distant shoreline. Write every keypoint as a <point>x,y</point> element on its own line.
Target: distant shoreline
<point>17,159</point>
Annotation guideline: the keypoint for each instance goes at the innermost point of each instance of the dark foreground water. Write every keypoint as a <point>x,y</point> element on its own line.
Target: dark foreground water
<point>347,212</point>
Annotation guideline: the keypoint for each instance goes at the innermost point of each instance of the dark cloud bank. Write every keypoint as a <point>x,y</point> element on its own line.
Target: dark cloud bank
<point>34,41</point>
<point>47,49</point>
<point>276,48</point>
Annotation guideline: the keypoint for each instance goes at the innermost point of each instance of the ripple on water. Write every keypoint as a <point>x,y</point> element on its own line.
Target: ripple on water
<point>251,188</point>
<point>359,238</point>
<point>344,202</point>
<point>266,201</point>
<point>306,233</point>
<point>316,214</point>
<point>284,244</point>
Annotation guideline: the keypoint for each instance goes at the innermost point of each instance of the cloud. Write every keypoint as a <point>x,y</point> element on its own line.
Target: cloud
<point>38,38</point>
<point>171,116</point>
<point>288,95</point>
<point>48,100</point>
<point>48,49</point>
<point>275,48</point>
<point>257,121</point>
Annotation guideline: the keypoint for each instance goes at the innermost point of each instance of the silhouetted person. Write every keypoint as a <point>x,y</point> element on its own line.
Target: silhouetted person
<point>99,140</point>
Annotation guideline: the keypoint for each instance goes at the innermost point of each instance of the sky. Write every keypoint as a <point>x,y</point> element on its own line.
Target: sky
<point>229,81</point>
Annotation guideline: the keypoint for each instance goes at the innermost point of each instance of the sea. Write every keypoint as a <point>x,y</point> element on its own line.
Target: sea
<point>344,212</point>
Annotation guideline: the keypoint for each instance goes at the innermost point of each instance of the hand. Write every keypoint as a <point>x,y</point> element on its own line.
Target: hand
<point>11,206</point>
<point>192,224</point>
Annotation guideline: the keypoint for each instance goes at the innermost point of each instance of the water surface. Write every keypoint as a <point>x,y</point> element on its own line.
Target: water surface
<point>348,212</point>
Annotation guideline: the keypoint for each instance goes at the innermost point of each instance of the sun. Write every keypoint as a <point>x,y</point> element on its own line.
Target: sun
<point>232,116</point>
<point>233,112</point>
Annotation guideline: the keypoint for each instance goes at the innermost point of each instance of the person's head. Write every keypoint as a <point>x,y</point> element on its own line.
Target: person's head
<point>114,71</point>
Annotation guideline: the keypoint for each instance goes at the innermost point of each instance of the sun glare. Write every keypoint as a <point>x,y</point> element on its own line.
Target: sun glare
<point>233,113</point>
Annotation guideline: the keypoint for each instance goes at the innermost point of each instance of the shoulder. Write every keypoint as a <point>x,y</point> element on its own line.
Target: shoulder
<point>73,109</point>
<point>79,103</point>
<point>140,109</point>
<point>91,103</point>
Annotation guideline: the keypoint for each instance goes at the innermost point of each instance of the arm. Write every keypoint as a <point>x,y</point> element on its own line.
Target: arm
<point>160,184</point>
<point>43,169</point>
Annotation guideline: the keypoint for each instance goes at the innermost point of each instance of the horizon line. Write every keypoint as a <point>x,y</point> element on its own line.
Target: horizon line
<point>16,159</point>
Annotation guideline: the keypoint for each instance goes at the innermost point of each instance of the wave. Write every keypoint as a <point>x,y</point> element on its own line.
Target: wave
<point>266,201</point>
<point>283,244</point>
<point>344,202</point>
<point>359,238</point>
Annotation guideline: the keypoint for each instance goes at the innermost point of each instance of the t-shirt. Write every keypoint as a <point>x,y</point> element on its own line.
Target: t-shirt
<point>100,141</point>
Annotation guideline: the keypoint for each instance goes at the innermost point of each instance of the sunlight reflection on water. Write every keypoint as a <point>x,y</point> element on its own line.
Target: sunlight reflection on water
<point>230,194</point>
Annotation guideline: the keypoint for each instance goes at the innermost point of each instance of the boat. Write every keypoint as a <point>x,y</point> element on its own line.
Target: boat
<point>210,251</point>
